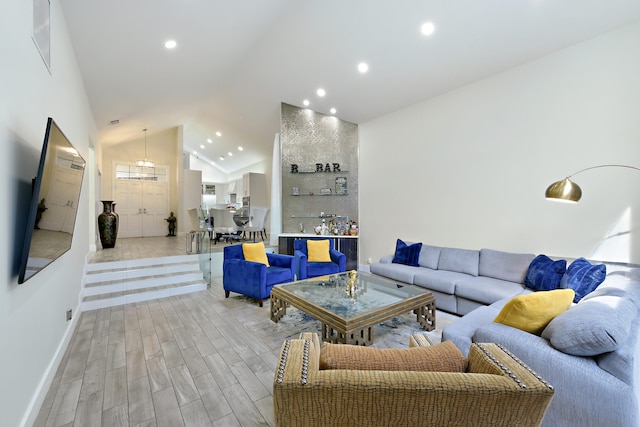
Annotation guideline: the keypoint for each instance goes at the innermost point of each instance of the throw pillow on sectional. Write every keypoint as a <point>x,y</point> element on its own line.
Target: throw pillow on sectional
<point>407,254</point>
<point>545,274</point>
<point>532,312</point>
<point>583,277</point>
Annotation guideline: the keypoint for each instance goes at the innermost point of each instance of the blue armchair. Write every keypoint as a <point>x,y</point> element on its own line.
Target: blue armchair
<point>306,269</point>
<point>254,279</point>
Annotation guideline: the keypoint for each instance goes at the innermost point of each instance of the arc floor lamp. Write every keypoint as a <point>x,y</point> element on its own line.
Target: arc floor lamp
<point>568,191</point>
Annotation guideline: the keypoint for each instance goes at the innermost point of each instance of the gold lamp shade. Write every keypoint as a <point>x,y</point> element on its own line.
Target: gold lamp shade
<point>564,191</point>
<point>568,191</point>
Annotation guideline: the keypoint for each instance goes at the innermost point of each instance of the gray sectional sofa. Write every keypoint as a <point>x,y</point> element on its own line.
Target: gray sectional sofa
<point>589,353</point>
<point>461,279</point>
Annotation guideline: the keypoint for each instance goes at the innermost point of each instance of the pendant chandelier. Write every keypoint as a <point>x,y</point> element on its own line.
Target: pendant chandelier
<point>145,163</point>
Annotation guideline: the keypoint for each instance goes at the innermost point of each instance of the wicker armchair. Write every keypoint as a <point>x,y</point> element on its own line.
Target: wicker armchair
<point>496,390</point>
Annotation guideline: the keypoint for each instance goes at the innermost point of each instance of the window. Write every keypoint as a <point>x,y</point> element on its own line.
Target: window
<point>138,173</point>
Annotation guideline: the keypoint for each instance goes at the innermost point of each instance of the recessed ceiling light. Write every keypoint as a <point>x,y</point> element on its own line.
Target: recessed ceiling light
<point>427,28</point>
<point>209,140</point>
<point>202,146</point>
<point>333,111</point>
<point>240,148</point>
<point>195,152</point>
<point>221,157</point>
<point>363,67</point>
<point>170,44</point>
<point>305,102</point>
<point>230,153</point>
<point>218,134</point>
<point>321,92</point>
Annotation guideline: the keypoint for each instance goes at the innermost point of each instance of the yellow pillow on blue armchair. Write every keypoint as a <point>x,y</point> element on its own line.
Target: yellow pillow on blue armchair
<point>318,251</point>
<point>255,252</point>
<point>532,312</point>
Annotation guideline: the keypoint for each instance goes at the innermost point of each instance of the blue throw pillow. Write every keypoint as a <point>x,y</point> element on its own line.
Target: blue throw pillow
<point>544,274</point>
<point>407,254</point>
<point>583,277</point>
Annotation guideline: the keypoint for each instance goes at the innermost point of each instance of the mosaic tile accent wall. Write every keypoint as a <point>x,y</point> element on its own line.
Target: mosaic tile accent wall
<point>312,141</point>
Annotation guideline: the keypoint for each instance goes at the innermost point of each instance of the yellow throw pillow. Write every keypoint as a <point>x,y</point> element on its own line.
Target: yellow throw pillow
<point>318,251</point>
<point>442,357</point>
<point>532,312</point>
<point>255,252</point>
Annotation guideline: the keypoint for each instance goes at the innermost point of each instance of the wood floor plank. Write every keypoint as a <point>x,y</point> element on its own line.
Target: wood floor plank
<point>242,405</point>
<point>167,410</point>
<point>64,406</point>
<point>195,415</point>
<point>220,371</point>
<point>115,388</point>
<point>89,411</point>
<point>151,346</point>
<point>172,355</point>
<point>136,365</point>
<point>250,383</point>
<point>158,374</point>
<point>132,339</point>
<point>195,362</point>
<point>94,377</point>
<point>118,416</point>
<point>116,356</point>
<point>212,397</point>
<point>75,366</point>
<point>185,388</point>
<point>141,406</point>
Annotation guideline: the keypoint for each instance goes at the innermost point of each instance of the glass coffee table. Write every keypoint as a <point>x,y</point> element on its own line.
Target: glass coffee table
<point>349,304</point>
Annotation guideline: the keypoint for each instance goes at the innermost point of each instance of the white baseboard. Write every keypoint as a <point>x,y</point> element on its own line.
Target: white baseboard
<point>47,379</point>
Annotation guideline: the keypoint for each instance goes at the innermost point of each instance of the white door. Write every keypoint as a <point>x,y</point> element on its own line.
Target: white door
<point>60,201</point>
<point>154,209</point>
<point>129,207</point>
<point>142,207</point>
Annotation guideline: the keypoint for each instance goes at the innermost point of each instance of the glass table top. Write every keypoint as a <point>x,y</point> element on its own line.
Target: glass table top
<point>338,295</point>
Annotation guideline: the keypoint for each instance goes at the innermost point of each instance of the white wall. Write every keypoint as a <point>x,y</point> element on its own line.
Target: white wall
<point>33,328</point>
<point>469,168</point>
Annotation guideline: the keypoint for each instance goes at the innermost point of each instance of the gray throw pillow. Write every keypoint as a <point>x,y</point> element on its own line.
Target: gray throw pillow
<point>592,327</point>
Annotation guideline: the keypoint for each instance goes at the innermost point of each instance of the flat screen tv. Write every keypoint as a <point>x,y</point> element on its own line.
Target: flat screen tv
<point>54,203</point>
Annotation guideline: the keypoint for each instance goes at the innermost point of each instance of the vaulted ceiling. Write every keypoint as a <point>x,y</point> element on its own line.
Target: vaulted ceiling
<point>237,60</point>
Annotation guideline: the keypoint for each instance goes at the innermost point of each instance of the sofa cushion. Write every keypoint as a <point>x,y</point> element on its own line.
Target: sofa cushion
<point>439,280</point>
<point>442,357</point>
<point>583,277</point>
<point>532,312</point>
<point>508,266</point>
<point>593,326</point>
<point>255,252</point>
<point>487,290</point>
<point>544,274</point>
<point>460,260</point>
<point>620,363</point>
<point>407,254</point>
<point>400,272</point>
<point>429,256</point>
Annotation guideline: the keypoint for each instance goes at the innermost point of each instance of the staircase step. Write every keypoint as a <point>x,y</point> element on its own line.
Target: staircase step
<point>94,302</point>
<point>141,283</point>
<point>114,283</point>
<point>119,274</point>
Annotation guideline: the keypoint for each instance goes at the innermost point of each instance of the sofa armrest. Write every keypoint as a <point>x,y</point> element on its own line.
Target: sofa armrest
<point>386,259</point>
<point>301,264</point>
<point>281,260</point>
<point>339,258</point>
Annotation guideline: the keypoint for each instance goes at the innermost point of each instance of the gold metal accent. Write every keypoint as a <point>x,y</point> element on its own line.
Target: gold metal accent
<point>568,191</point>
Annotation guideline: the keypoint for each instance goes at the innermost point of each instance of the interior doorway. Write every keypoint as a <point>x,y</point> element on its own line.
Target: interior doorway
<point>142,201</point>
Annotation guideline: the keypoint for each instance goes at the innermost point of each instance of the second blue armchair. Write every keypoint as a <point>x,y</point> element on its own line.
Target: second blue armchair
<point>308,268</point>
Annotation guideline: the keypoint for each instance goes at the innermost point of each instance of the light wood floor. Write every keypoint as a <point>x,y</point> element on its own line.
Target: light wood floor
<point>191,360</point>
